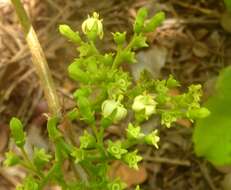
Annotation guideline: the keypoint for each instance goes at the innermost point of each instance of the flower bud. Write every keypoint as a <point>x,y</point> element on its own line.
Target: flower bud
<point>17,132</point>
<point>93,26</point>
<point>111,106</point>
<point>152,139</point>
<point>144,103</point>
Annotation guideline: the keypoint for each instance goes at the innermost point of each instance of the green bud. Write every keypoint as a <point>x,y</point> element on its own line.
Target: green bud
<point>140,18</point>
<point>40,158</point>
<point>144,103</point>
<point>66,31</point>
<point>111,106</point>
<point>93,26</point>
<point>132,159</point>
<point>11,159</point>
<point>172,83</point>
<point>154,22</point>
<point>152,138</point>
<point>198,113</point>
<point>119,37</point>
<point>133,133</point>
<point>115,149</point>
<point>116,185</point>
<point>17,132</point>
<point>87,141</point>
<point>78,155</point>
<point>167,118</point>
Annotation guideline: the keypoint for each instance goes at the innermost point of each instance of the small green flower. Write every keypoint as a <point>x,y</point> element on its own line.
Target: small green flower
<point>115,149</point>
<point>119,37</point>
<point>134,132</point>
<point>111,106</point>
<point>78,155</point>
<point>11,159</point>
<point>87,141</point>
<point>145,103</point>
<point>17,132</point>
<point>167,118</point>
<point>93,26</point>
<point>132,159</point>
<point>40,157</point>
<point>116,185</point>
<point>152,138</point>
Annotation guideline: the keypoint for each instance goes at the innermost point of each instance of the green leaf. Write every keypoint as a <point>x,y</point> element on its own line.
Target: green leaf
<point>17,132</point>
<point>212,135</point>
<point>66,31</point>
<point>154,22</point>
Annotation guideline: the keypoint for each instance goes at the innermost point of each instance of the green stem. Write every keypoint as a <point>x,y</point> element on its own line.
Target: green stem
<point>38,59</point>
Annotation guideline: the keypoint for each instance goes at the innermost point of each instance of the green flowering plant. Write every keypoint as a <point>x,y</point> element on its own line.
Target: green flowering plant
<point>106,95</point>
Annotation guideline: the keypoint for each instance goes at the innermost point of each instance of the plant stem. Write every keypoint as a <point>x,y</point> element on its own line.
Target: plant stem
<point>38,59</point>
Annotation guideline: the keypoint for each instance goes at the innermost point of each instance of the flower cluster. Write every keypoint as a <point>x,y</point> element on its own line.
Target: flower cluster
<point>106,96</point>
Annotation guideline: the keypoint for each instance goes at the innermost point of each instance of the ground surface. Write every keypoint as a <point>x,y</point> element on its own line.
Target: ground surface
<point>191,45</point>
